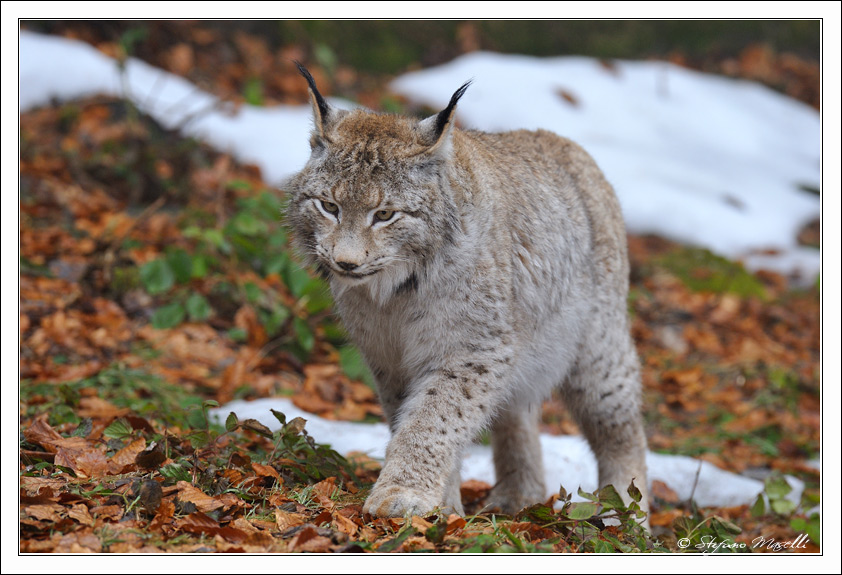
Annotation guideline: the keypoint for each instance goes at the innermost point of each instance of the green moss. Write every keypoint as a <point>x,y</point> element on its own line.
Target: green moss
<point>704,271</point>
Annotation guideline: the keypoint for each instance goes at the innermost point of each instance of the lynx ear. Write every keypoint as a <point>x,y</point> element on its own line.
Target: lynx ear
<point>435,129</point>
<point>321,111</point>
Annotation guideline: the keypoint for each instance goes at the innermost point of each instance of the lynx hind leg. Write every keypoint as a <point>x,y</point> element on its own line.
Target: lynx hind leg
<point>518,464</point>
<point>603,396</point>
<point>453,494</point>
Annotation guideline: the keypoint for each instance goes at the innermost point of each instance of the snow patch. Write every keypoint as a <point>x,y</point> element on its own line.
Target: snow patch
<point>568,461</point>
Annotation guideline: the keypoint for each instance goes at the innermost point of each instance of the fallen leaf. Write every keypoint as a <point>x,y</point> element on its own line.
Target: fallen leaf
<point>114,512</point>
<point>45,512</point>
<point>151,495</point>
<point>198,523</point>
<point>284,520</point>
<point>80,513</point>
<point>266,471</point>
<point>202,501</point>
<point>126,457</point>
<point>662,491</point>
<point>95,407</point>
<point>79,542</point>
<point>455,522</point>
<point>165,512</point>
<point>345,525</point>
<point>309,540</point>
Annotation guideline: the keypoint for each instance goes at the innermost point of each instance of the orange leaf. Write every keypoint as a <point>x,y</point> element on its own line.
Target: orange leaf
<point>198,523</point>
<point>284,520</point>
<point>114,512</point>
<point>45,512</point>
<point>165,512</point>
<point>96,407</point>
<point>662,491</point>
<point>42,434</point>
<point>420,524</point>
<point>79,542</point>
<point>265,470</point>
<point>664,518</point>
<point>308,539</point>
<point>90,463</point>
<point>202,501</point>
<point>126,456</point>
<point>80,513</point>
<point>474,490</point>
<point>345,525</point>
<point>455,522</point>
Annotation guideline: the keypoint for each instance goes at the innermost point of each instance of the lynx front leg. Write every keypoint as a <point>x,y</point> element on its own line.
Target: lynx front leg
<point>442,416</point>
<point>518,464</point>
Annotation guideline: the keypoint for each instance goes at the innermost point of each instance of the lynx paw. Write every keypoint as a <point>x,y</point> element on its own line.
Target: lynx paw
<point>397,501</point>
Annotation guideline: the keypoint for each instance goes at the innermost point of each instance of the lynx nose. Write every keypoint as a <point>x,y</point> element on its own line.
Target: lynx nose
<point>347,266</point>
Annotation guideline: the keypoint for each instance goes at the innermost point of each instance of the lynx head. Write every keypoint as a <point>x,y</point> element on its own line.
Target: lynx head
<point>373,204</point>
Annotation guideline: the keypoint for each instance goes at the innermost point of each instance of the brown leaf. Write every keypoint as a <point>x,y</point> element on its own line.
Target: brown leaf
<point>297,425</point>
<point>325,489</point>
<point>165,513</point>
<point>233,535</point>
<point>662,491</point>
<point>240,460</point>
<point>114,512</point>
<point>345,525</point>
<point>139,423</point>
<point>474,490</point>
<point>246,319</point>
<point>180,58</point>
<point>265,470</point>
<point>80,513</point>
<point>314,404</point>
<point>95,407</point>
<point>151,457</point>
<point>664,518</point>
<point>40,433</point>
<point>202,501</point>
<point>126,456</point>
<point>455,522</point>
<point>420,524</point>
<point>45,512</point>
<point>151,495</point>
<point>198,523</point>
<point>34,485</point>
<point>257,427</point>
<point>308,539</point>
<point>43,495</point>
<point>322,518</point>
<point>90,463</point>
<point>79,542</point>
<point>284,520</point>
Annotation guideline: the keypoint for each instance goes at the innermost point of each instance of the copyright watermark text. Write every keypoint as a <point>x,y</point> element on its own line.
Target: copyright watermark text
<point>710,544</point>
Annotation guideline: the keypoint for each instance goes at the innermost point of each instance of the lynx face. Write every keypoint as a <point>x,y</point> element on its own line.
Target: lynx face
<point>371,204</point>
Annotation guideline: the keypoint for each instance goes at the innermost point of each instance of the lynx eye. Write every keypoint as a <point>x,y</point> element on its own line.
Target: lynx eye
<point>330,207</point>
<point>384,215</point>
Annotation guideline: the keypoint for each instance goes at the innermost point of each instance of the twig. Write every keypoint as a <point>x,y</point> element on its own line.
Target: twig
<point>695,484</point>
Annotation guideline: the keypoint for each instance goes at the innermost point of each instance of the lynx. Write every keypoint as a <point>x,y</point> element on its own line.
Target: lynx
<point>476,272</point>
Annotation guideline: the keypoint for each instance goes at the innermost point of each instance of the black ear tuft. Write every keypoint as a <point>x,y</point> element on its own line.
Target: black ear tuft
<point>320,101</point>
<point>443,117</point>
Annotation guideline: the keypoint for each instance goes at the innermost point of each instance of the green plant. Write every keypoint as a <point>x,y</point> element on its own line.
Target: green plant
<point>702,270</point>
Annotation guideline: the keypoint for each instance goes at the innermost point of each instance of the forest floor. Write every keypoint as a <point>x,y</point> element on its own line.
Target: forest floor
<point>155,283</point>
